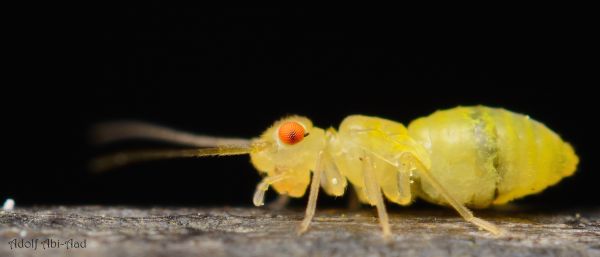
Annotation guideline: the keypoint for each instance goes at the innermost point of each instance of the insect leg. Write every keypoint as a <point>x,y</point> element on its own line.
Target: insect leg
<point>279,203</point>
<point>263,186</point>
<point>404,173</point>
<point>373,191</point>
<point>353,201</point>
<point>312,197</point>
<point>332,181</point>
<point>460,208</point>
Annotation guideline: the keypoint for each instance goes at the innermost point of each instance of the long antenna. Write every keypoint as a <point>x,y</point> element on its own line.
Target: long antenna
<point>112,161</point>
<point>109,132</point>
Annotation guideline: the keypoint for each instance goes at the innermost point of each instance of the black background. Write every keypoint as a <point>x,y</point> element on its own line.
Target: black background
<point>233,71</point>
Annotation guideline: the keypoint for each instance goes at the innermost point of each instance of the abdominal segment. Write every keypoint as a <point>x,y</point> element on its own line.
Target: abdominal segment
<point>486,156</point>
<point>532,157</point>
<point>462,146</point>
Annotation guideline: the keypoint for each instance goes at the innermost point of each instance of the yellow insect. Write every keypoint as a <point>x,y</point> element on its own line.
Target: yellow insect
<point>461,157</point>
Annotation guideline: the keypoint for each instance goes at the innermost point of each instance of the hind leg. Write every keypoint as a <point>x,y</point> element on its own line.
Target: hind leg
<point>460,208</point>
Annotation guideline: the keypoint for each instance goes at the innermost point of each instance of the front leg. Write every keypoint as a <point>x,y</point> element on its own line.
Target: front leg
<point>263,186</point>
<point>313,195</point>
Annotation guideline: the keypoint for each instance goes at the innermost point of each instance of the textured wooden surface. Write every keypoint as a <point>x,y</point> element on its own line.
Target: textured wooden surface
<point>123,231</point>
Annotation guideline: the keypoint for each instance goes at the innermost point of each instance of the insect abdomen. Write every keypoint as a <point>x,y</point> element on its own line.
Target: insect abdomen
<point>531,157</point>
<point>461,144</point>
<point>489,156</point>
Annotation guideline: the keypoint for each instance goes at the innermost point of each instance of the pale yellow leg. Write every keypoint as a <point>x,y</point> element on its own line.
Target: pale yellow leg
<point>263,186</point>
<point>279,203</point>
<point>404,176</point>
<point>353,201</point>
<point>312,197</point>
<point>374,194</point>
<point>460,208</point>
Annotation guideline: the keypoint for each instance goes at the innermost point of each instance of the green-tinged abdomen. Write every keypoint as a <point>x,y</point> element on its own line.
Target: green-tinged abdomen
<point>489,156</point>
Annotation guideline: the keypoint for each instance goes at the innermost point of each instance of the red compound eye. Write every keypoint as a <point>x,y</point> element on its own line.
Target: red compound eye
<point>291,132</point>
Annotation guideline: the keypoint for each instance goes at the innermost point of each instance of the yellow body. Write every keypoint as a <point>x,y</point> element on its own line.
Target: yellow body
<point>481,155</point>
<point>489,156</point>
<point>465,156</point>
